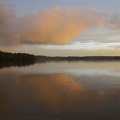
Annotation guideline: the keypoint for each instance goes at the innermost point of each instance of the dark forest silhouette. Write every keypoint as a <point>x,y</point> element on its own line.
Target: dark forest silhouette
<point>16,59</point>
<point>22,59</point>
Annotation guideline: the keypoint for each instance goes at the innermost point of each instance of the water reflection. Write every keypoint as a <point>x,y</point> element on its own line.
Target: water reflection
<point>25,96</point>
<point>75,68</point>
<point>17,63</point>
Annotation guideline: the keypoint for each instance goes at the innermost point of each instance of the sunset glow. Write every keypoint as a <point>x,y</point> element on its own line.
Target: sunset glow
<point>60,29</point>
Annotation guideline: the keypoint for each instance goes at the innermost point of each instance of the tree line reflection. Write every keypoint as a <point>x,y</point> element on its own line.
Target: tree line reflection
<point>16,59</point>
<point>22,59</point>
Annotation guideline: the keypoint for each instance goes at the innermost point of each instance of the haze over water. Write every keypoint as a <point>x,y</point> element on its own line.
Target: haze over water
<point>61,91</point>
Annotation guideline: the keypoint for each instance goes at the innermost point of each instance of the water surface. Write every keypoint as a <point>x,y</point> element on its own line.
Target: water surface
<point>61,91</point>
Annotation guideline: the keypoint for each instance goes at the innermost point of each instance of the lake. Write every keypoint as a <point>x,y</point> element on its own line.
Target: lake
<point>61,91</point>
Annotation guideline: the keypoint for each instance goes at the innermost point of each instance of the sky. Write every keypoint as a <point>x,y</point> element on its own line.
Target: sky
<point>60,27</point>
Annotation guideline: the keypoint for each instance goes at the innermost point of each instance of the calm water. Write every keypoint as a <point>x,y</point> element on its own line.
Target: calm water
<point>61,91</point>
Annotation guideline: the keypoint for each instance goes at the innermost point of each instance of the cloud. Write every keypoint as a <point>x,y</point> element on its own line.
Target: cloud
<point>57,26</point>
<point>114,21</point>
<point>7,17</point>
<point>50,26</point>
<point>54,25</point>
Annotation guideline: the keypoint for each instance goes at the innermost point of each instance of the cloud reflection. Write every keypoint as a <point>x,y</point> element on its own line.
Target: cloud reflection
<point>55,94</point>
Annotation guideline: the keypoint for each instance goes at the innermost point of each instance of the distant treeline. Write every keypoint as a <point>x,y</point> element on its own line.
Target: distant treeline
<point>16,59</point>
<point>84,58</point>
<point>22,59</point>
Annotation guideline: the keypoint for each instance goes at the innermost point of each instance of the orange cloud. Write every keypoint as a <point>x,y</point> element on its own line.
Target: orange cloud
<point>50,26</point>
<point>57,26</point>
